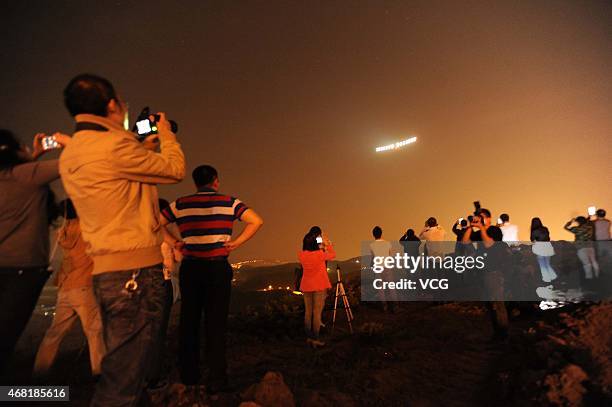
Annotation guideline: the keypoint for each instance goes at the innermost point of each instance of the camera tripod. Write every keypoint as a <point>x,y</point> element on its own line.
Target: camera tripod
<point>340,293</point>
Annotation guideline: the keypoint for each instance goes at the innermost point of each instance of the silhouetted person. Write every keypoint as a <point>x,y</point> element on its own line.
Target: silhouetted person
<point>315,281</point>
<point>410,242</point>
<point>459,231</point>
<point>434,235</point>
<point>583,236</point>
<point>487,236</point>
<point>75,298</point>
<point>602,236</point>
<point>28,209</point>
<point>543,249</point>
<point>382,248</point>
<point>510,230</point>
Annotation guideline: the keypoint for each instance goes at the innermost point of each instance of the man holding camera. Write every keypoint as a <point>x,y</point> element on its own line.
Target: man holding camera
<point>498,259</point>
<point>110,177</point>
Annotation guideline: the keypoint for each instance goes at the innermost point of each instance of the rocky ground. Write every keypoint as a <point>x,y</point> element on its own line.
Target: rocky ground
<point>422,354</point>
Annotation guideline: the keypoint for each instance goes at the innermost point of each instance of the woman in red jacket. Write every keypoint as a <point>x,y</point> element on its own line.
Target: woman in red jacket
<point>316,250</point>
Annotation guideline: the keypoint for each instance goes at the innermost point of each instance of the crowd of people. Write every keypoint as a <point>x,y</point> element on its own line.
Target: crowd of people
<point>478,234</point>
<point>120,244</point>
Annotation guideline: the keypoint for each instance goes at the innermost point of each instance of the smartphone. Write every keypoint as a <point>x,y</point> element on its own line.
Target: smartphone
<point>499,221</point>
<point>49,143</point>
<point>459,221</point>
<point>319,240</point>
<point>592,210</point>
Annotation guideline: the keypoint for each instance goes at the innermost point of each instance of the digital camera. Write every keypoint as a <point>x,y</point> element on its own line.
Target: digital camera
<point>144,126</point>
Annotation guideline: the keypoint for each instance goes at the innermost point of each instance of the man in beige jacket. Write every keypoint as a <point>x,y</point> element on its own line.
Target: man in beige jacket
<point>111,178</point>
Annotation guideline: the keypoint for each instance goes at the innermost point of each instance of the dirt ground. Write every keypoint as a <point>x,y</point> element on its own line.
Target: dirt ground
<point>422,354</point>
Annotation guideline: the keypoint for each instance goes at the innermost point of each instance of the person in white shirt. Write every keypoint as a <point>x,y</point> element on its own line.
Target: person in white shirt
<point>382,248</point>
<point>509,230</point>
<point>433,233</point>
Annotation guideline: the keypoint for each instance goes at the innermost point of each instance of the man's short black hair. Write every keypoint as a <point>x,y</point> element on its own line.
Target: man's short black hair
<point>204,175</point>
<point>504,217</point>
<point>485,212</point>
<point>601,213</point>
<point>432,222</point>
<point>495,233</point>
<point>87,93</point>
<point>377,232</point>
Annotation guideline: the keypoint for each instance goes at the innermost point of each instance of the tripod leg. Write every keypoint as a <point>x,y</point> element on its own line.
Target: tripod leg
<point>335,307</point>
<point>347,307</point>
<point>347,304</point>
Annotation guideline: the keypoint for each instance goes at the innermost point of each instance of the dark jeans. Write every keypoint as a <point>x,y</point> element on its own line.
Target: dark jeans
<point>19,292</point>
<point>494,286</point>
<point>131,321</point>
<point>157,370</point>
<point>205,285</point>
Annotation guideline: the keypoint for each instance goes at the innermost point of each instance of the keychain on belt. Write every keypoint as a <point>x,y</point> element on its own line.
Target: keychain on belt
<point>132,284</point>
<point>167,271</point>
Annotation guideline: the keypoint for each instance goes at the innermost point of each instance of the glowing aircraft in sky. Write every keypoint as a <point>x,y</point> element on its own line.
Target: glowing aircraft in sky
<point>397,145</point>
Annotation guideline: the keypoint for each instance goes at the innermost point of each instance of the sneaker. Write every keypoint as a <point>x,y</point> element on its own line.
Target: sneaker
<point>158,385</point>
<point>315,343</point>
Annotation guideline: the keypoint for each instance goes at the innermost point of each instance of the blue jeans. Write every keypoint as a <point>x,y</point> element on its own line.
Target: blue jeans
<point>131,323</point>
<point>548,273</point>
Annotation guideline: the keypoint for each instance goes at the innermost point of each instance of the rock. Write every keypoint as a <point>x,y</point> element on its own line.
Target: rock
<point>559,341</point>
<point>314,399</point>
<point>327,399</point>
<point>565,388</point>
<point>270,392</point>
<point>249,404</point>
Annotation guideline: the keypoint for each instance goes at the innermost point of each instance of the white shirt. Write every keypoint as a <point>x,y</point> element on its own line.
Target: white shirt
<point>380,248</point>
<point>433,234</point>
<point>510,232</point>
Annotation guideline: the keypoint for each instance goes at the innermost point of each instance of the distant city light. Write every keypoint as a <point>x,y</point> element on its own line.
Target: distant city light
<point>397,145</point>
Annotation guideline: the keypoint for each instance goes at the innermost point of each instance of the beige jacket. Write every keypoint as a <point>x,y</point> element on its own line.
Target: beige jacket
<point>111,179</point>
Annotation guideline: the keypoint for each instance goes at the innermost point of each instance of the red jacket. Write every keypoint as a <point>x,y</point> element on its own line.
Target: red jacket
<point>315,276</point>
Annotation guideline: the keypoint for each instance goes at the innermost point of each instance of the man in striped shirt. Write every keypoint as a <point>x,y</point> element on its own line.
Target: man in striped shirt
<point>205,220</point>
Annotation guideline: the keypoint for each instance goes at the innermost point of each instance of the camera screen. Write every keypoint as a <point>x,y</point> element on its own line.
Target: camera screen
<point>592,210</point>
<point>49,143</point>
<point>143,126</point>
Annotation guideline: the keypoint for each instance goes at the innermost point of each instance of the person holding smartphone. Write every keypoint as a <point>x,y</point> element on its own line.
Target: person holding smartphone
<point>315,282</point>
<point>583,235</point>
<point>28,208</point>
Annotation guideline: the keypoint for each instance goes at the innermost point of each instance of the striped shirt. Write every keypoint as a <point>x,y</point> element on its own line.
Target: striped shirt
<point>205,221</point>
